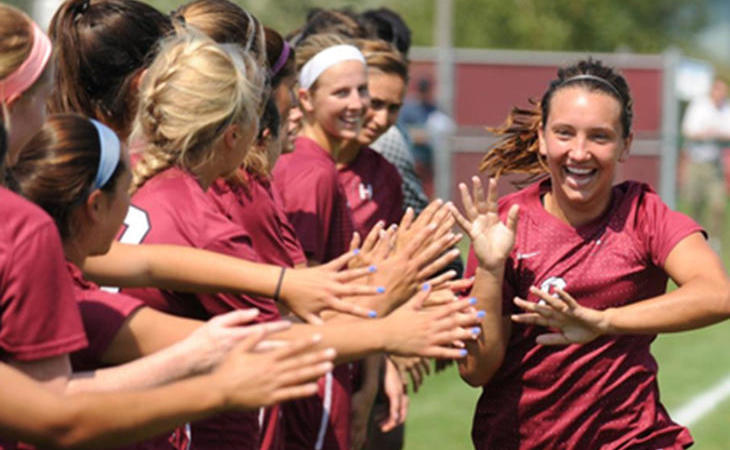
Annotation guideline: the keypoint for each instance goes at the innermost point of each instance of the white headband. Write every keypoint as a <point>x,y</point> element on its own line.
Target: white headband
<point>326,59</point>
<point>109,156</point>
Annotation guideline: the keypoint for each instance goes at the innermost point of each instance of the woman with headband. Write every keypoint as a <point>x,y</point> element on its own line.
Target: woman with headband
<point>25,74</point>
<point>74,169</point>
<point>89,82</point>
<point>198,125</point>
<point>588,264</point>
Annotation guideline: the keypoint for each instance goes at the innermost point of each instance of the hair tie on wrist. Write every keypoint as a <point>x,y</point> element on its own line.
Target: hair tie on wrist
<point>278,284</point>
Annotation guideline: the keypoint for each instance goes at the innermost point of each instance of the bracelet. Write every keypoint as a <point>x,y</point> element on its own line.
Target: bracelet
<point>278,284</point>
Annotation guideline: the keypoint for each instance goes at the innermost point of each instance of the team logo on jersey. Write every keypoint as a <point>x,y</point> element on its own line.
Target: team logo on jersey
<point>366,191</point>
<point>550,285</point>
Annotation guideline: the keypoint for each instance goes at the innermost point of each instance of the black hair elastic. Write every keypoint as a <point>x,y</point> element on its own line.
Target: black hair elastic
<point>278,284</point>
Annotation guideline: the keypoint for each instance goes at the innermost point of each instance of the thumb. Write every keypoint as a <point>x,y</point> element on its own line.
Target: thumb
<point>513,216</point>
<point>342,260</point>
<point>250,342</point>
<point>356,241</point>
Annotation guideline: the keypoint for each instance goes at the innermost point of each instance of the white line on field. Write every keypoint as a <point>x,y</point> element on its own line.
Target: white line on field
<point>702,404</point>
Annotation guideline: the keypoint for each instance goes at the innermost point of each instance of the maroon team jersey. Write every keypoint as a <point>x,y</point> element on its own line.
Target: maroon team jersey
<point>602,394</point>
<point>256,207</point>
<point>313,200</point>
<point>373,189</point>
<point>172,208</point>
<point>317,208</point>
<point>39,317</point>
<point>103,314</point>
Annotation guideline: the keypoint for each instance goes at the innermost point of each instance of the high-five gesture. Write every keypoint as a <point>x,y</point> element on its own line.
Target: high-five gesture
<point>576,324</point>
<point>491,239</point>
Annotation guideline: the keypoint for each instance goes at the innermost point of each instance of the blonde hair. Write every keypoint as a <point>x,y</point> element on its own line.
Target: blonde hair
<point>192,91</point>
<point>309,47</point>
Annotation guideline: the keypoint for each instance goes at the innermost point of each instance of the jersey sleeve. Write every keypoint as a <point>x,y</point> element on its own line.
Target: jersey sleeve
<point>39,316</point>
<point>660,227</point>
<point>103,314</point>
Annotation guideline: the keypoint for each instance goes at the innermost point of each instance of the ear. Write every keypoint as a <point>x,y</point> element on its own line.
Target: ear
<point>305,100</point>
<point>93,207</point>
<point>137,80</point>
<point>624,155</point>
<point>230,136</point>
<point>541,140</point>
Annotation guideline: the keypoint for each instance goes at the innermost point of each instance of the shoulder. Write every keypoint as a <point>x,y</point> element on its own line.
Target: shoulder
<point>20,217</point>
<point>525,197</point>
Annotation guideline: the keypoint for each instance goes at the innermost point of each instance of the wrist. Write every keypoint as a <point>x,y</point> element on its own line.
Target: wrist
<point>606,323</point>
<point>381,335</point>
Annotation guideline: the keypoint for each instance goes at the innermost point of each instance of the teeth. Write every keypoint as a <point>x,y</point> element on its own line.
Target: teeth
<point>578,171</point>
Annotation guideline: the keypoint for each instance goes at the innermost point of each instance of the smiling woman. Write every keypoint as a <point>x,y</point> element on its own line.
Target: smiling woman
<point>574,369</point>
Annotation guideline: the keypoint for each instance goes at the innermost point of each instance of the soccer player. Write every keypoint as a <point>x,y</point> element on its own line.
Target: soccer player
<point>588,264</point>
<point>197,126</point>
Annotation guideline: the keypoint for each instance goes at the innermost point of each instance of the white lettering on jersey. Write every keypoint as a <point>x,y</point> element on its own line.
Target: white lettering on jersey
<point>366,191</point>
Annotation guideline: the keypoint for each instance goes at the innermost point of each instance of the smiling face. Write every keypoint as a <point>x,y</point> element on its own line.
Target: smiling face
<point>336,104</point>
<point>386,98</point>
<point>582,142</point>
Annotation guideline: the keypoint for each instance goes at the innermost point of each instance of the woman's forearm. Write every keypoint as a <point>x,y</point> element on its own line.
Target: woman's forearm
<point>162,367</point>
<point>699,302</point>
<point>181,269</point>
<point>33,414</point>
<point>485,354</point>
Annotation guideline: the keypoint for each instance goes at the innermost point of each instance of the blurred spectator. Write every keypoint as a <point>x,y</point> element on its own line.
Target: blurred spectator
<point>706,130</point>
<point>427,126</point>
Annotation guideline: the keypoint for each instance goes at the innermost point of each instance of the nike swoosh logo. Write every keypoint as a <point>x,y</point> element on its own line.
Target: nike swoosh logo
<point>526,255</point>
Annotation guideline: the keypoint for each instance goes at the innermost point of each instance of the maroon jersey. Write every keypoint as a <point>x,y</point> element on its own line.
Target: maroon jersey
<point>602,394</point>
<point>317,209</point>
<point>257,207</point>
<point>39,317</point>
<point>172,208</point>
<point>373,189</point>
<point>103,314</point>
<point>314,200</point>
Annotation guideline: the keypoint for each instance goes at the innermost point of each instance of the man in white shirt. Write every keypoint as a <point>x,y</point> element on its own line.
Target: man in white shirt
<point>706,130</point>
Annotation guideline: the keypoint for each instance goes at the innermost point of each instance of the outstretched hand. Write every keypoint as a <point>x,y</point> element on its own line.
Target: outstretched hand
<point>307,292</point>
<point>491,239</point>
<point>576,324</point>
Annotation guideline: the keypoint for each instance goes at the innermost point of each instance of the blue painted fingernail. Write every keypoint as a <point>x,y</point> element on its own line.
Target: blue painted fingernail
<point>372,314</point>
<point>476,330</point>
<point>481,314</point>
<point>463,352</point>
<point>372,269</point>
<point>356,251</point>
<point>380,290</point>
<point>426,286</point>
<point>472,300</point>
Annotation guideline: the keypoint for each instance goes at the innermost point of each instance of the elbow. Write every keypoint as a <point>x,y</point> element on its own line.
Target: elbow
<point>477,374</point>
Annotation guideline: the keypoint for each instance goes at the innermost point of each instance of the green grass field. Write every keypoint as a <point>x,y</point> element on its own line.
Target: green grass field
<point>689,363</point>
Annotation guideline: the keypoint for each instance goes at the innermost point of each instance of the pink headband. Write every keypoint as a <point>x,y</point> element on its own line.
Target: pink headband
<point>13,86</point>
<point>281,60</point>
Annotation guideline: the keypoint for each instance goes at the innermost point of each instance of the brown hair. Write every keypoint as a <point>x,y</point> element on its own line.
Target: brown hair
<point>16,39</point>
<point>517,150</point>
<point>56,169</point>
<point>225,22</point>
<point>274,49</point>
<point>384,57</point>
<point>101,48</point>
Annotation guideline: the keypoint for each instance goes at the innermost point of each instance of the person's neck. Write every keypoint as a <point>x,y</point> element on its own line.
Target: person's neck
<point>329,143</point>
<point>348,153</point>
<point>75,251</point>
<point>574,215</point>
<point>206,174</point>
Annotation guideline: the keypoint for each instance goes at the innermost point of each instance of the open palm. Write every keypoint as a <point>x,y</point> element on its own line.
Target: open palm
<point>491,239</point>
